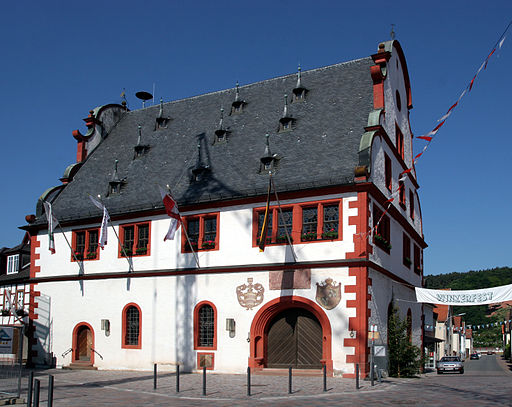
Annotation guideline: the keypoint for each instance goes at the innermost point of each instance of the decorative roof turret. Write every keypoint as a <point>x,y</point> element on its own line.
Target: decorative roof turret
<point>299,92</point>
<point>268,160</point>
<point>161,120</point>
<point>116,182</point>
<point>140,149</point>
<point>286,121</point>
<point>238,105</point>
<point>221,133</point>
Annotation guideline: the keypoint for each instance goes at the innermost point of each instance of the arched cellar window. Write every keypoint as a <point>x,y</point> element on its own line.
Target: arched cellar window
<point>205,322</point>
<point>131,335</point>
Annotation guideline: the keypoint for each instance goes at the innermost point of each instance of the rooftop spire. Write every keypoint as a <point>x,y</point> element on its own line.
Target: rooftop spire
<point>139,127</point>
<point>392,31</point>
<point>299,82</point>
<point>285,110</point>
<point>115,177</point>
<point>237,92</point>
<point>267,159</point>
<point>161,111</point>
<point>221,122</point>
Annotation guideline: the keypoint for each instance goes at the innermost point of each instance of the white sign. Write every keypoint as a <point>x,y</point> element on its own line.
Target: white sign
<point>379,350</point>
<point>465,297</point>
<point>6,335</point>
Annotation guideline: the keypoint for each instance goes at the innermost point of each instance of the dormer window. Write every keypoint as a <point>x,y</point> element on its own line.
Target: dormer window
<point>200,173</point>
<point>221,136</point>
<point>13,264</point>
<point>161,120</point>
<point>114,187</point>
<point>299,94</point>
<point>285,124</point>
<point>140,150</point>
<point>237,107</point>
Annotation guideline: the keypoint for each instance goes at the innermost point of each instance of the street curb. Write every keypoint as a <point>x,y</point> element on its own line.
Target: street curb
<point>506,366</point>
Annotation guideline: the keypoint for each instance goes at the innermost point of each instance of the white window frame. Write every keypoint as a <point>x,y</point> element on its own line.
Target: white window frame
<point>13,264</point>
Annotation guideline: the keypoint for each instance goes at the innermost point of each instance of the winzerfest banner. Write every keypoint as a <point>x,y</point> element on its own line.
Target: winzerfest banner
<point>465,297</point>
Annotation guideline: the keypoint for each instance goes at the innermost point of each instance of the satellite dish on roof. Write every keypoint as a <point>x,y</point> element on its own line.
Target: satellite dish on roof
<point>144,96</point>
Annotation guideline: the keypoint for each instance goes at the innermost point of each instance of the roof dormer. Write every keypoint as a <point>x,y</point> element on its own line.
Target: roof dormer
<point>238,104</point>
<point>299,92</point>
<point>286,122</point>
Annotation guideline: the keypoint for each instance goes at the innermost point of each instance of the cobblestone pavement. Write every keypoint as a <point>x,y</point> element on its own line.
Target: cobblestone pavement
<point>122,388</point>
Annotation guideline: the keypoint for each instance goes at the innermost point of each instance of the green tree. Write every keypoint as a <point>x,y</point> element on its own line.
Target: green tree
<point>404,357</point>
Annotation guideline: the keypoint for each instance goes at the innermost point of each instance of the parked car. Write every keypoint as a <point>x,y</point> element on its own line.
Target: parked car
<point>450,364</point>
<point>474,356</point>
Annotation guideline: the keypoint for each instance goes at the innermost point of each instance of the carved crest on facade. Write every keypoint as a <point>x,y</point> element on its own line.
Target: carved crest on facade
<point>250,295</point>
<point>328,294</point>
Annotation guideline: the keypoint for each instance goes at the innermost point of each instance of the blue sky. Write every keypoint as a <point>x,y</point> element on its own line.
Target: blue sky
<point>60,59</point>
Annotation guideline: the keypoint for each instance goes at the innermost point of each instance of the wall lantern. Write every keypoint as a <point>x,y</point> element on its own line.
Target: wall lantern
<point>230,327</point>
<point>105,326</point>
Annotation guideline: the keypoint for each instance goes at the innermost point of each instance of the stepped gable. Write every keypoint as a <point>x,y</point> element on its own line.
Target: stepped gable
<point>321,148</point>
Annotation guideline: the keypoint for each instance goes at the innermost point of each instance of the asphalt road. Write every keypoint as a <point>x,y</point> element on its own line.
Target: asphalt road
<point>486,382</point>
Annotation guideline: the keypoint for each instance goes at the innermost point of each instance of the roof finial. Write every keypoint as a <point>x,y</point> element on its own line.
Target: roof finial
<point>140,134</point>
<point>267,159</point>
<point>237,92</point>
<point>221,123</point>
<point>299,83</point>
<point>285,110</point>
<point>161,112</point>
<point>115,177</point>
<point>392,31</point>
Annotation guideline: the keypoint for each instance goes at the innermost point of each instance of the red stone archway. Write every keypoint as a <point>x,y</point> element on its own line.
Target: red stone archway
<point>259,329</point>
<point>75,353</point>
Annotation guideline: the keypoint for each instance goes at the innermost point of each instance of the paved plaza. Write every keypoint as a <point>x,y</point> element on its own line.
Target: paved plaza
<point>488,383</point>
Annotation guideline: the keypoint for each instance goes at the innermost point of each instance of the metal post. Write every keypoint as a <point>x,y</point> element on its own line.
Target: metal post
<point>325,377</point>
<point>248,381</point>
<point>290,380</point>
<point>357,376</point>
<point>29,391</point>
<point>50,391</point>
<point>204,380</point>
<point>36,393</point>
<point>372,376</point>
<point>154,376</point>
<point>20,349</point>
<point>177,378</point>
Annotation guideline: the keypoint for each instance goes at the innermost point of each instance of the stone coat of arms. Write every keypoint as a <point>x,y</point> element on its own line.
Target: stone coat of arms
<point>250,295</point>
<point>328,294</point>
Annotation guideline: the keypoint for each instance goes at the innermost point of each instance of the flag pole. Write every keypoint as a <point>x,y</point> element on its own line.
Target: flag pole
<point>128,259</point>
<point>282,219</point>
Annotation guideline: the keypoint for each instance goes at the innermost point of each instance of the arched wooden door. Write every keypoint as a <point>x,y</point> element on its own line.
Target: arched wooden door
<point>294,339</point>
<point>83,344</point>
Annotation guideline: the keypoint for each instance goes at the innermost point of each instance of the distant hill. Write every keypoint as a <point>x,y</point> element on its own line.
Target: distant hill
<point>477,314</point>
<point>471,280</point>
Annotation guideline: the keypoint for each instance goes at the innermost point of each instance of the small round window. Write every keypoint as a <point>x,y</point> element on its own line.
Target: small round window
<point>398,101</point>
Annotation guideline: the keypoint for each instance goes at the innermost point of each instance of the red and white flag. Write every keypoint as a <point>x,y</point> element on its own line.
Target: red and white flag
<point>104,223</point>
<point>171,208</point>
<point>52,224</point>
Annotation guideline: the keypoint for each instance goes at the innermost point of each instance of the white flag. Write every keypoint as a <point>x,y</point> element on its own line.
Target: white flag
<point>104,222</point>
<point>52,224</point>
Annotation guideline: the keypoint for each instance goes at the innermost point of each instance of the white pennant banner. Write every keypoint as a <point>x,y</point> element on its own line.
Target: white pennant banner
<point>465,297</point>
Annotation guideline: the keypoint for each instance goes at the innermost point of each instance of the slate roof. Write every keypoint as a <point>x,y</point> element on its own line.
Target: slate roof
<point>321,150</point>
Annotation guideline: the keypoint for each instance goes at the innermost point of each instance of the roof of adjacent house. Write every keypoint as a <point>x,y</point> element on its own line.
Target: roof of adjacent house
<point>442,312</point>
<point>321,149</point>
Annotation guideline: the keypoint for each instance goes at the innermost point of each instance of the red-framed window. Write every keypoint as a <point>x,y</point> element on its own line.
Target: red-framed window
<point>131,327</point>
<point>411,204</point>
<point>203,232</point>
<point>388,174</point>
<point>382,234</point>
<point>401,194</point>
<point>205,326</point>
<point>135,239</point>
<point>305,222</point>
<point>406,256</point>
<point>85,244</point>
<point>205,359</point>
<point>417,260</point>
<point>399,141</point>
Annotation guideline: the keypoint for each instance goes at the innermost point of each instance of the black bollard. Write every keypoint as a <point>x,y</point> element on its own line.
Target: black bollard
<point>204,380</point>
<point>36,393</point>
<point>325,377</point>
<point>177,378</point>
<point>50,390</point>
<point>248,381</point>
<point>357,376</point>
<point>290,380</point>
<point>154,376</point>
<point>30,386</point>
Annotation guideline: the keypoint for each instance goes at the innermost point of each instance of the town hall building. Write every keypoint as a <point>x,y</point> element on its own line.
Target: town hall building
<point>344,238</point>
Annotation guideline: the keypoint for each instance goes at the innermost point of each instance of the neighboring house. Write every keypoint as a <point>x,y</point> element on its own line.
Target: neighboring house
<point>339,141</point>
<point>15,292</point>
<point>442,331</point>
